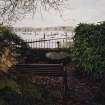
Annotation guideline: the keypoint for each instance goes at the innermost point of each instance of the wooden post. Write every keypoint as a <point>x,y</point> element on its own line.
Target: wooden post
<point>49,43</point>
<point>65,81</point>
<point>36,43</point>
<point>58,44</point>
<point>65,86</point>
<point>44,39</point>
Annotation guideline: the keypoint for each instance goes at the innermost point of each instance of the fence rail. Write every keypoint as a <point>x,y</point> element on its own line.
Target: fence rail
<point>50,43</point>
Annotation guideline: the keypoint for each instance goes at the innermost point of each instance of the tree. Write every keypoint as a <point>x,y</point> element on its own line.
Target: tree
<point>12,48</point>
<point>12,9</point>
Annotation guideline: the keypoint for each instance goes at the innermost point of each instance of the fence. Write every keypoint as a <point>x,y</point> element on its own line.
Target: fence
<point>51,43</point>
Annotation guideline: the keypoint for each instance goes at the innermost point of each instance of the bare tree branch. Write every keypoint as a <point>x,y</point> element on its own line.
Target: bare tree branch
<point>14,9</point>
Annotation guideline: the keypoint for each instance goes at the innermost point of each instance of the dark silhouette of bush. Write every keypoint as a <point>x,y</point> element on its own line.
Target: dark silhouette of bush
<point>13,42</point>
<point>89,49</point>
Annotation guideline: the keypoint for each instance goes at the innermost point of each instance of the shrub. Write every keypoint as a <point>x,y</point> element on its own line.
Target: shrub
<point>14,92</point>
<point>89,48</point>
<point>12,48</point>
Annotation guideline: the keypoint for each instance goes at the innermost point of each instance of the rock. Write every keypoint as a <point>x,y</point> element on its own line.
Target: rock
<point>57,55</point>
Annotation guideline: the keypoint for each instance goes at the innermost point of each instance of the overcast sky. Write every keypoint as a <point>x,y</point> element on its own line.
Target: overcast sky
<point>87,11</point>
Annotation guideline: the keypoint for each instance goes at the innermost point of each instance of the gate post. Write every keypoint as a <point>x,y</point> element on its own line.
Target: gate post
<point>65,86</point>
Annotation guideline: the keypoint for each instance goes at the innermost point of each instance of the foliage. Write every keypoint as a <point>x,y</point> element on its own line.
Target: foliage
<point>12,48</point>
<point>7,60</point>
<point>27,87</point>
<point>13,92</point>
<point>3,102</point>
<point>9,84</point>
<point>89,48</point>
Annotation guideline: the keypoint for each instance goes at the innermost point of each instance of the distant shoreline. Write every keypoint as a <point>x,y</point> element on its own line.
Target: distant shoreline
<point>31,29</point>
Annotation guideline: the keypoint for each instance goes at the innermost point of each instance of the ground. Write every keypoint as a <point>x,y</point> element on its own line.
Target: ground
<point>81,91</point>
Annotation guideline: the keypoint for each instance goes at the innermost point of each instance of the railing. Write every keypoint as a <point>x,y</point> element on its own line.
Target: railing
<point>50,43</point>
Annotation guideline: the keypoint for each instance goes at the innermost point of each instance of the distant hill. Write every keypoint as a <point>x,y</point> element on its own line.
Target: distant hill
<point>31,29</point>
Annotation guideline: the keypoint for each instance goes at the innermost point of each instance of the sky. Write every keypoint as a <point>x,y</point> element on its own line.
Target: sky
<point>76,11</point>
